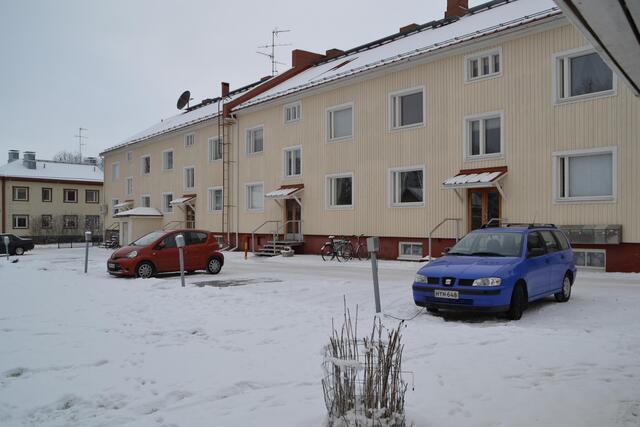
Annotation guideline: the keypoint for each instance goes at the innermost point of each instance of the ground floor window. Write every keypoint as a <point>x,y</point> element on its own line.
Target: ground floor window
<point>410,251</point>
<point>70,222</point>
<point>21,221</point>
<point>340,191</point>
<point>407,187</point>
<point>46,221</point>
<point>215,199</point>
<point>595,259</point>
<point>92,222</point>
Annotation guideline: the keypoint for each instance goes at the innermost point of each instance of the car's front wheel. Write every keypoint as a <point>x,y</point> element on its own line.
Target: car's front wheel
<point>565,293</point>
<point>19,251</point>
<point>518,302</point>
<point>214,266</point>
<point>145,270</point>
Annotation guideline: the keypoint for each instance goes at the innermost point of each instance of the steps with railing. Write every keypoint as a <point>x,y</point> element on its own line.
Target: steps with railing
<point>277,244</point>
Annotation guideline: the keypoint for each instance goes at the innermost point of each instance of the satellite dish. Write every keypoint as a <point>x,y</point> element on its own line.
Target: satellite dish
<point>184,99</point>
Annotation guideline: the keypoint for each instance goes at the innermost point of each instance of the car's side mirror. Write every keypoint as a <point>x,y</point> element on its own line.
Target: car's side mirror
<point>445,251</point>
<point>535,252</point>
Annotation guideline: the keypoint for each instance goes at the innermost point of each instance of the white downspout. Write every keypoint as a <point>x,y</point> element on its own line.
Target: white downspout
<point>237,123</point>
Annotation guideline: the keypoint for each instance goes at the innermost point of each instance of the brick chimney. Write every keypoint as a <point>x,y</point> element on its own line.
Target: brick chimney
<point>332,53</point>
<point>408,28</point>
<point>302,58</point>
<point>225,88</point>
<point>456,8</point>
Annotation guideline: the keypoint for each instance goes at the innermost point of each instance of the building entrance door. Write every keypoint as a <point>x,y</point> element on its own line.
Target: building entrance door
<point>483,205</point>
<point>293,217</point>
<point>190,216</point>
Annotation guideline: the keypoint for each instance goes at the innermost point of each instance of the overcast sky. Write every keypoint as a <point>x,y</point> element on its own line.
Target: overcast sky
<point>116,67</point>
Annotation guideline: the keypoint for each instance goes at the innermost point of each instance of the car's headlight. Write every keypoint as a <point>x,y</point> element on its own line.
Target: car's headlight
<point>132,254</point>
<point>488,281</point>
<point>420,278</point>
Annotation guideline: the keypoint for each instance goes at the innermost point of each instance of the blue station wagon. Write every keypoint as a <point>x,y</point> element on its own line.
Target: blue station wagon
<point>499,269</point>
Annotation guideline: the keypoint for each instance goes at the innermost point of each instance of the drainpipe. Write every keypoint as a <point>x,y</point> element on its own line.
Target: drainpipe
<point>237,124</point>
<point>4,206</point>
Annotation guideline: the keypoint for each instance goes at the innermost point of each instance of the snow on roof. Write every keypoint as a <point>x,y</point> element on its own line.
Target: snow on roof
<point>481,179</point>
<point>430,39</point>
<point>139,211</point>
<point>284,192</point>
<point>46,169</point>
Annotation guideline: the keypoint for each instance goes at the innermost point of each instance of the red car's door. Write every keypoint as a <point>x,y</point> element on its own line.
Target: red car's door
<point>196,250</point>
<point>166,255</point>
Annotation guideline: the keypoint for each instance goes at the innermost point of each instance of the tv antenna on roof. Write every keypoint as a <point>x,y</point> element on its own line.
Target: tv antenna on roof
<point>272,46</point>
<point>80,137</point>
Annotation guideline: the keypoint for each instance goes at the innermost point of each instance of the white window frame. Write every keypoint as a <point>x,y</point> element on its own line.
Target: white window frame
<point>115,171</point>
<point>468,157</point>
<point>297,105</point>
<point>16,189</point>
<point>211,199</point>
<point>327,191</point>
<point>142,158</point>
<point>167,208</point>
<point>128,186</point>
<point>394,106</point>
<point>66,191</point>
<point>478,56</point>
<point>190,140</point>
<point>558,97</point>
<point>250,143</point>
<point>145,196</point>
<point>329,122</point>
<point>185,179</point>
<point>114,202</point>
<point>129,156</point>
<point>586,251</point>
<point>392,171</point>
<point>91,191</point>
<point>173,158</point>
<point>247,198</point>
<point>18,217</point>
<point>562,155</point>
<point>213,144</point>
<point>409,257</point>
<point>284,161</point>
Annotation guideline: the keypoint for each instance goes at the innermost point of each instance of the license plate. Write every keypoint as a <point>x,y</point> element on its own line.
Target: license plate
<point>441,293</point>
<point>111,265</point>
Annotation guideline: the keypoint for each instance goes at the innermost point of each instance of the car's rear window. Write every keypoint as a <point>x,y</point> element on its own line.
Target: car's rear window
<point>498,243</point>
<point>564,245</point>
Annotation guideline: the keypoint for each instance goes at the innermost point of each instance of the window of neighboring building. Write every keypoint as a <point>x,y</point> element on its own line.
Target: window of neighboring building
<point>595,259</point>
<point>92,196</point>
<point>21,221</point>
<point>406,108</point>
<point>129,156</point>
<point>582,74</point>
<point>167,160</point>
<point>215,199</point>
<point>70,195</point>
<point>70,221</point>
<point>145,165</point>
<point>255,140</point>
<point>585,175</point>
<point>92,222</point>
<point>20,194</point>
<point>189,178</point>
<point>340,122</point>
<point>483,136</point>
<point>114,202</point>
<point>483,65</point>
<point>128,186</point>
<point>46,221</point>
<point>292,162</point>
<point>167,207</point>
<point>255,196</point>
<point>407,186</point>
<point>292,112</point>
<point>339,190</point>
<point>215,149</point>
<point>189,140</point>
<point>410,251</point>
<point>115,171</point>
<point>47,194</point>
<point>145,201</point>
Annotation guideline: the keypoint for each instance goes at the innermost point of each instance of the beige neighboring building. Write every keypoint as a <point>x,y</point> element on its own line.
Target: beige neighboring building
<point>502,110</point>
<point>48,200</point>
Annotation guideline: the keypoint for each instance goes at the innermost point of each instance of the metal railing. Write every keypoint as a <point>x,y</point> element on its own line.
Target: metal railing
<point>253,233</point>
<point>457,220</point>
<point>283,227</point>
<point>173,225</point>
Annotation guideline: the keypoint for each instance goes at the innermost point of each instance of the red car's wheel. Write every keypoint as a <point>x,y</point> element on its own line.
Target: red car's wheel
<point>214,265</point>
<point>145,270</point>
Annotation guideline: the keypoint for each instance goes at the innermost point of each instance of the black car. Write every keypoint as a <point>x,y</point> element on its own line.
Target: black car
<point>17,245</point>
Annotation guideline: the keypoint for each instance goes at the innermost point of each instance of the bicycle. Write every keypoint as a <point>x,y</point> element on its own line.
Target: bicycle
<point>360,249</point>
<point>340,249</point>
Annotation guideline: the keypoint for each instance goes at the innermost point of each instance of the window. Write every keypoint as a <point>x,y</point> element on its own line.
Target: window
<point>292,112</point>
<point>189,178</point>
<point>339,190</point>
<point>216,149</point>
<point>562,240</point>
<point>340,122</point>
<point>255,197</point>
<point>21,221</point>
<point>595,259</point>
<point>70,222</point>
<point>550,241</point>
<point>292,162</point>
<point>20,194</point>
<point>128,186</point>
<point>167,160</point>
<point>215,199</point>
<point>189,140</point>
<point>145,201</point>
<point>46,222</point>
<point>483,136</point>
<point>407,187</point>
<point>115,171</point>
<point>92,196</point>
<point>166,202</point>
<point>535,243</point>
<point>196,238</point>
<point>582,74</point>
<point>170,241</point>
<point>483,65</point>
<point>585,175</point>
<point>47,194</point>
<point>145,165</point>
<point>410,251</point>
<point>255,140</point>
<point>407,108</point>
<point>70,195</point>
<point>92,222</point>
<point>129,156</point>
<point>114,202</point>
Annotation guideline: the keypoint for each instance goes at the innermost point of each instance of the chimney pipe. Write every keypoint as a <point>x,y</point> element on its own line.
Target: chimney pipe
<point>303,58</point>
<point>14,155</point>
<point>456,8</point>
<point>331,53</point>
<point>29,159</point>
<point>225,89</point>
<point>408,28</point>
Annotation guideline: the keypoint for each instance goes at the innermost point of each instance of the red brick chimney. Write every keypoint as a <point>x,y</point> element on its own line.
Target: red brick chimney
<point>407,28</point>
<point>456,8</point>
<point>332,53</point>
<point>225,88</point>
<point>301,58</point>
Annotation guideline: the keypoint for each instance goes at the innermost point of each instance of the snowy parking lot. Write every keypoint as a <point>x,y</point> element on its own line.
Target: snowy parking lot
<point>92,350</point>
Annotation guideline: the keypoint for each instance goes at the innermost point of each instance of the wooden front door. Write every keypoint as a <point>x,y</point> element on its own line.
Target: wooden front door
<point>190,215</point>
<point>293,213</point>
<point>483,205</point>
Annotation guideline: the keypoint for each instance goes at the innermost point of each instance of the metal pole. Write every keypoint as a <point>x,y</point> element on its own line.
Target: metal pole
<point>87,238</point>
<point>180,245</point>
<point>373,246</point>
<point>6,246</point>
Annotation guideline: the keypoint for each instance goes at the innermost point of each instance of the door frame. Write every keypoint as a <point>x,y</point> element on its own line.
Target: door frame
<point>485,204</point>
<point>298,235</point>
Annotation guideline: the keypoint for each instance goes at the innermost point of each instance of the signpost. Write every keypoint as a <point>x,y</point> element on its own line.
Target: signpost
<point>6,246</point>
<point>373,246</point>
<point>87,239</point>
<point>180,245</point>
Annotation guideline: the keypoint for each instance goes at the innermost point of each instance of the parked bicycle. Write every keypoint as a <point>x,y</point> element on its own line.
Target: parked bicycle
<point>360,249</point>
<point>339,249</point>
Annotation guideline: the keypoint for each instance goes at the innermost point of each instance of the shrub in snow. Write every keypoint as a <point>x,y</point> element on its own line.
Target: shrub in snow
<point>362,382</point>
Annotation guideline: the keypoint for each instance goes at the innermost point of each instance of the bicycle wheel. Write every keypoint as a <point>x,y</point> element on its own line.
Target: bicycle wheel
<point>362,252</point>
<point>326,252</point>
<point>346,252</point>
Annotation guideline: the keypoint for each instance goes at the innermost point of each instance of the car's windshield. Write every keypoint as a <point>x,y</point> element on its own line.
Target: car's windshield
<point>498,243</point>
<point>148,238</point>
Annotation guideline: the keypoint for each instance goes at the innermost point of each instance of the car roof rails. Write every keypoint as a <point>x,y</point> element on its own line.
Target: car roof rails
<point>529,225</point>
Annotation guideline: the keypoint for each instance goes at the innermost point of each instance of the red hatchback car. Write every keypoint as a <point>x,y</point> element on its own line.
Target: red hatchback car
<point>157,252</point>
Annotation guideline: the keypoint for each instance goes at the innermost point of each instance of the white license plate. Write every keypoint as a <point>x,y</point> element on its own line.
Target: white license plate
<point>111,265</point>
<point>440,293</point>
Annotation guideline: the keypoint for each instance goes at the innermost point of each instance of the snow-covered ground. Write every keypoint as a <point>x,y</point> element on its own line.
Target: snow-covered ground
<point>92,350</point>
